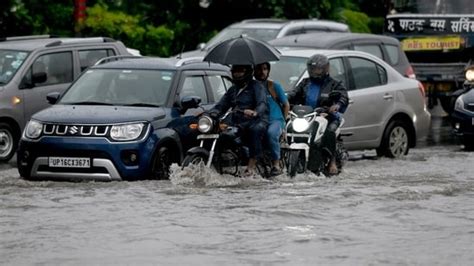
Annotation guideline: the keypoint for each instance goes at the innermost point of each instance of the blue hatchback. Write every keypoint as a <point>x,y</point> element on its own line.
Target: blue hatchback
<point>121,120</point>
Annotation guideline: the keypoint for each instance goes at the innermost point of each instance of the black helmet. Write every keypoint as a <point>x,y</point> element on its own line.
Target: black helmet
<point>318,67</point>
<point>241,80</point>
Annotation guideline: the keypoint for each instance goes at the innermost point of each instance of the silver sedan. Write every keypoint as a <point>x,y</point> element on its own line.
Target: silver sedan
<point>386,112</point>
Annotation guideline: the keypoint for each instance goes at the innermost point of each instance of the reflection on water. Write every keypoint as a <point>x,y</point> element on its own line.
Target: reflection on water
<point>412,211</point>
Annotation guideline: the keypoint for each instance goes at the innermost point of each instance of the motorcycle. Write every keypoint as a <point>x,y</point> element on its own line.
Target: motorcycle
<point>222,148</point>
<point>305,128</point>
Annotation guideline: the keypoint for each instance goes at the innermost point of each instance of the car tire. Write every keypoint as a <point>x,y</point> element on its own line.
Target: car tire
<point>395,140</point>
<point>161,163</point>
<point>8,142</point>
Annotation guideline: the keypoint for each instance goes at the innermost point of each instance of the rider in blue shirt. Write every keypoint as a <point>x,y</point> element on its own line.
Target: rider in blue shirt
<point>279,107</point>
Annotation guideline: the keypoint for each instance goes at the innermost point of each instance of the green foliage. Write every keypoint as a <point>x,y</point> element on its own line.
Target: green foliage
<point>150,40</point>
<point>357,21</point>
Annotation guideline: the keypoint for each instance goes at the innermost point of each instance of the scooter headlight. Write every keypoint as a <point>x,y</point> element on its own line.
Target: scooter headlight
<point>205,124</point>
<point>33,129</point>
<point>300,125</point>
<point>470,75</point>
<point>126,132</point>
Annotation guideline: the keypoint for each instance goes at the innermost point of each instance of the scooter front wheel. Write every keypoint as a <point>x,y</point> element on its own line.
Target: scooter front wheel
<point>296,162</point>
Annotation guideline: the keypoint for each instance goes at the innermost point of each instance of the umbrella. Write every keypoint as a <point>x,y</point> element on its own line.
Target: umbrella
<point>242,50</point>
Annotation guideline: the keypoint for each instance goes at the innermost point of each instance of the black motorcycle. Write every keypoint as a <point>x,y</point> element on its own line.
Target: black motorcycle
<point>221,147</point>
<point>306,128</point>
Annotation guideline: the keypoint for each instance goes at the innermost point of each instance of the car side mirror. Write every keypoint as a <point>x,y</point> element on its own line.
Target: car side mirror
<point>201,46</point>
<point>189,102</point>
<point>39,77</point>
<point>53,97</point>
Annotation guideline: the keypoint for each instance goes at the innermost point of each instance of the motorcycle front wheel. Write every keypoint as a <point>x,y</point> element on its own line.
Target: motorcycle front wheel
<point>296,161</point>
<point>195,159</point>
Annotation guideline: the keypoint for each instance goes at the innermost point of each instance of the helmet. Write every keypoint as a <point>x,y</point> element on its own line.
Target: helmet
<point>259,74</point>
<point>241,74</point>
<point>318,67</point>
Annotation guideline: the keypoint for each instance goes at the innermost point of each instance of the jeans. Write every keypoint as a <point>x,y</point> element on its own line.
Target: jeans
<point>253,135</point>
<point>274,131</point>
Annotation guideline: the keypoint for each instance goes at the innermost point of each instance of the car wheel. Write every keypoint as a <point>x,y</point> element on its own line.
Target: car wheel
<point>8,142</point>
<point>161,164</point>
<point>468,143</point>
<point>395,140</point>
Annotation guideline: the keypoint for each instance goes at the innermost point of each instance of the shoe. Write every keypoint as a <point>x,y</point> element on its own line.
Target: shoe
<point>275,171</point>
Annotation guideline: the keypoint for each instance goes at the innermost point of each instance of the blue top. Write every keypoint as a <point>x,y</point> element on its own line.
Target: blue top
<point>274,107</point>
<point>313,94</point>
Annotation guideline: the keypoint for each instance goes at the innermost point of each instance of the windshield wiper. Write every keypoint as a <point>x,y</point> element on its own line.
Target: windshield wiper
<point>142,105</point>
<point>89,103</point>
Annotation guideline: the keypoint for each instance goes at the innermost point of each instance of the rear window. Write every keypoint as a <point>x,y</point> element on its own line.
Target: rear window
<point>393,54</point>
<point>373,49</point>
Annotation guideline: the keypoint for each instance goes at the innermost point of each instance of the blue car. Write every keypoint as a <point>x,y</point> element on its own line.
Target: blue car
<point>125,119</point>
<point>463,114</point>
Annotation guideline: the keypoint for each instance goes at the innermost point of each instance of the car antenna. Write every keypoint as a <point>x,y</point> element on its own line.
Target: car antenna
<point>180,56</point>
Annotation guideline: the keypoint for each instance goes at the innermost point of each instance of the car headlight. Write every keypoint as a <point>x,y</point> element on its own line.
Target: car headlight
<point>300,124</point>
<point>205,124</point>
<point>459,104</point>
<point>126,132</point>
<point>470,75</point>
<point>33,129</point>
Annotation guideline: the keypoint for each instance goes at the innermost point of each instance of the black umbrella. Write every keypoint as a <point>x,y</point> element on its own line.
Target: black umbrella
<point>242,50</point>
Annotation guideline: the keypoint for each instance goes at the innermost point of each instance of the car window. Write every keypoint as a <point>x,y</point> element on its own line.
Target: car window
<point>337,70</point>
<point>88,58</point>
<point>219,85</point>
<point>372,49</point>
<point>393,52</point>
<point>57,66</point>
<point>194,86</point>
<point>366,73</point>
<point>287,71</point>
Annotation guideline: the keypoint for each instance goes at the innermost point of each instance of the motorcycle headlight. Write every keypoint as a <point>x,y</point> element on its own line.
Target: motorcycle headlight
<point>470,75</point>
<point>126,132</point>
<point>33,129</point>
<point>205,124</point>
<point>300,124</point>
<point>459,104</point>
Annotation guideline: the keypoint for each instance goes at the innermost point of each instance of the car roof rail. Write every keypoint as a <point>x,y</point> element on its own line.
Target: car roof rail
<point>189,60</point>
<point>29,37</point>
<point>80,40</point>
<point>264,20</point>
<point>115,58</point>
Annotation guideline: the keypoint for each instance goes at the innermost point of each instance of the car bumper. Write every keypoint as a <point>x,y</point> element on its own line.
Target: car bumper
<point>463,123</point>
<point>422,124</point>
<point>108,160</point>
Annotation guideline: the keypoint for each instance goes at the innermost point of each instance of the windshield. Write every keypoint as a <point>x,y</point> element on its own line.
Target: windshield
<point>288,71</point>
<point>120,87</point>
<point>10,62</point>
<point>257,33</point>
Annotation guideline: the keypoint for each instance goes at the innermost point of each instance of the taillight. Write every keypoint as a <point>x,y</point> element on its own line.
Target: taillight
<point>410,73</point>
<point>421,88</point>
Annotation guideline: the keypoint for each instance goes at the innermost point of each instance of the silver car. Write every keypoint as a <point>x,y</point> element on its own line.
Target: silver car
<point>386,112</point>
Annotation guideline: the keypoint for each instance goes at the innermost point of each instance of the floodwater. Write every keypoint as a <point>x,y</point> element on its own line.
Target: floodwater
<point>415,211</point>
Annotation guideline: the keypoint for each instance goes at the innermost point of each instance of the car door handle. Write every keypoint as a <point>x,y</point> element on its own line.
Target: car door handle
<point>388,96</point>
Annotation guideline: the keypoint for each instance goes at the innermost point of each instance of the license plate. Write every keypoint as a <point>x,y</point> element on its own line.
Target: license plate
<point>69,162</point>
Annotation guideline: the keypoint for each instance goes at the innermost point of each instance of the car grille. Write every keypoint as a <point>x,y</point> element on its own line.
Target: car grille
<point>75,130</point>
<point>469,107</point>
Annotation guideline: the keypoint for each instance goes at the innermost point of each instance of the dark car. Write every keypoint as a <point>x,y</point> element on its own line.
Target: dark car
<point>384,47</point>
<point>33,66</point>
<point>268,29</point>
<point>126,119</point>
<point>463,114</point>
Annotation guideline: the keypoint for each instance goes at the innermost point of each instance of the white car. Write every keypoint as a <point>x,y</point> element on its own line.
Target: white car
<point>386,112</point>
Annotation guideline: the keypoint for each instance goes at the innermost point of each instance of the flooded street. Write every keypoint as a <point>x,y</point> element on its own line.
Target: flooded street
<point>414,211</point>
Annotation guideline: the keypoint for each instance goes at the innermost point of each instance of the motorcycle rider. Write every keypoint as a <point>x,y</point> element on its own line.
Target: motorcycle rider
<point>248,99</point>
<point>321,90</point>
<point>279,107</point>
